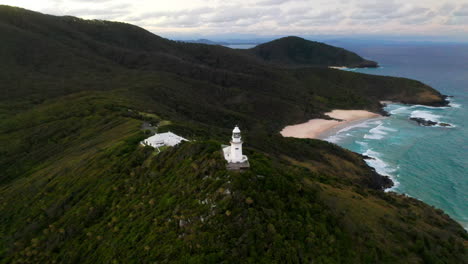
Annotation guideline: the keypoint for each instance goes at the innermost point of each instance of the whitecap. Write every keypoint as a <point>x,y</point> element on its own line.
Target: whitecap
<point>455,105</point>
<point>361,143</point>
<point>399,110</point>
<point>425,115</point>
<point>362,146</point>
<point>379,132</point>
<point>370,136</point>
<point>452,103</point>
<point>395,186</point>
<point>381,167</point>
<point>340,133</point>
<point>427,107</point>
<point>371,153</point>
<point>333,139</point>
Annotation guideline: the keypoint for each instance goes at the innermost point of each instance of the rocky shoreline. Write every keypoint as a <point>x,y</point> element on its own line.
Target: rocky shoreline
<point>443,103</point>
<point>366,64</point>
<point>378,181</point>
<point>425,122</point>
<point>383,182</point>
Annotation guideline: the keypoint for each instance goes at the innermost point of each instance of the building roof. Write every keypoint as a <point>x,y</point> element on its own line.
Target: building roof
<point>164,139</point>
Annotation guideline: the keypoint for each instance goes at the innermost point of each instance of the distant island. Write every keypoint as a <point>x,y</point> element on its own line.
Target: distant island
<point>79,96</point>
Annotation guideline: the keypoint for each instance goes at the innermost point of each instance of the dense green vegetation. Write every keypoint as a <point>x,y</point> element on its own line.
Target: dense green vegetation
<point>71,55</point>
<point>296,52</point>
<point>77,187</point>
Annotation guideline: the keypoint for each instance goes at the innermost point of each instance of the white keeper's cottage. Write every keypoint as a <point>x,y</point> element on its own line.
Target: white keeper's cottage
<point>233,153</point>
<point>163,139</point>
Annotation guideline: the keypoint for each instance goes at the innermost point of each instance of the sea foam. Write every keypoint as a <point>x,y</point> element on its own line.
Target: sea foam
<point>454,105</point>
<point>400,110</point>
<point>379,132</point>
<point>428,107</point>
<point>425,115</point>
<point>381,167</point>
<point>340,134</point>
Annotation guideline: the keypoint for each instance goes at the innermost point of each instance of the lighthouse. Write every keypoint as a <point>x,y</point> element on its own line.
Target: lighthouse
<point>233,153</point>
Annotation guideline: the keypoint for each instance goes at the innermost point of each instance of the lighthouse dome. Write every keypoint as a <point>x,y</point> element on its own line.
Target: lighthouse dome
<point>236,130</point>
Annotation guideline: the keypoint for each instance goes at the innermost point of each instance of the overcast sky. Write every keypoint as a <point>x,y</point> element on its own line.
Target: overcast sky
<point>196,18</point>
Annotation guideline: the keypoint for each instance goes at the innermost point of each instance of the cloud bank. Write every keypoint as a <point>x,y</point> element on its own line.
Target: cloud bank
<point>272,17</point>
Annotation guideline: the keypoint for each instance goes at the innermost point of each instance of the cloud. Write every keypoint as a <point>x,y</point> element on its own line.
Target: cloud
<point>101,13</point>
<point>419,19</point>
<point>172,15</point>
<point>312,18</point>
<point>271,2</point>
<point>274,2</point>
<point>457,21</point>
<point>87,1</point>
<point>220,17</point>
<point>408,12</point>
<point>446,9</point>
<point>283,17</point>
<point>462,11</point>
<point>235,13</point>
<point>459,16</point>
<point>388,11</point>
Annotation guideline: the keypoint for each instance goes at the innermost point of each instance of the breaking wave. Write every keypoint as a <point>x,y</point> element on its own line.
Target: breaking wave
<point>453,104</point>
<point>399,110</point>
<point>425,115</point>
<point>379,132</point>
<point>340,134</point>
<point>381,167</point>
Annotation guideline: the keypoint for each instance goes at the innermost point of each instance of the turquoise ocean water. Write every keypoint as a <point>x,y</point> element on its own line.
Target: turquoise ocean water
<point>427,163</point>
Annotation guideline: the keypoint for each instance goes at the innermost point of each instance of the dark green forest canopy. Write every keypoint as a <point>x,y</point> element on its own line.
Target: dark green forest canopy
<point>76,186</point>
<point>298,52</point>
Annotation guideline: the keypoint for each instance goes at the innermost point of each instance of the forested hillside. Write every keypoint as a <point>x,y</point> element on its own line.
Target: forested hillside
<point>298,52</point>
<point>77,187</point>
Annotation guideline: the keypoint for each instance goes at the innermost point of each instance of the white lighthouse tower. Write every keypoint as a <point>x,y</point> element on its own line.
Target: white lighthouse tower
<point>233,153</point>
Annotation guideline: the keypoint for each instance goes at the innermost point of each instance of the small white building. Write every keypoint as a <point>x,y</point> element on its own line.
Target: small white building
<point>233,153</point>
<point>163,139</point>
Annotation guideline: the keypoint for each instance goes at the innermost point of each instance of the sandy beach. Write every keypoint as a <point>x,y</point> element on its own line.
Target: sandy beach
<point>314,128</point>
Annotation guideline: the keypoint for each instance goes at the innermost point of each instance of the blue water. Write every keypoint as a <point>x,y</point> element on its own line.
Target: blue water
<point>240,46</point>
<point>427,163</point>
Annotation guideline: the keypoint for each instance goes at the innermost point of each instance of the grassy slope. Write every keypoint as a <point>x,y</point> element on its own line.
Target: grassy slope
<point>76,187</point>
